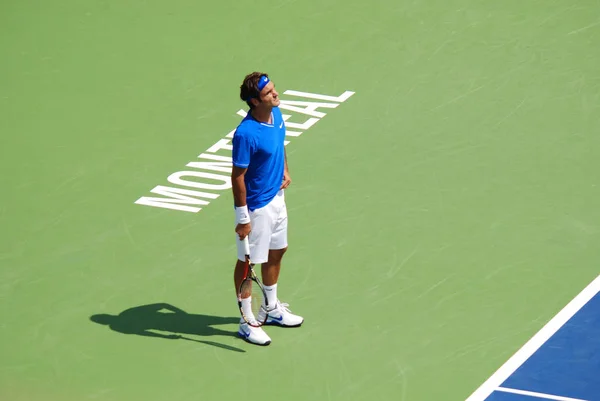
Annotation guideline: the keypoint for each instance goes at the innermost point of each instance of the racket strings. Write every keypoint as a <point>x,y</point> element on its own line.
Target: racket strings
<point>252,290</point>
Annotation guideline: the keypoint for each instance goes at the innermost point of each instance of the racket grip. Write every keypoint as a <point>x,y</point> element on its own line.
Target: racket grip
<point>246,246</point>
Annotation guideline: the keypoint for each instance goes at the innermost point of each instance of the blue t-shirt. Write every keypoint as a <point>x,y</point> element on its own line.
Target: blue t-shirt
<point>259,148</point>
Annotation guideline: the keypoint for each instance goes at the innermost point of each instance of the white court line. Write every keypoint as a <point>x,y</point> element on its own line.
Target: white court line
<point>494,382</point>
<point>538,395</point>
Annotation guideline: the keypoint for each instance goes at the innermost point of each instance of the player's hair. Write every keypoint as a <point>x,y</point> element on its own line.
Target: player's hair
<point>249,88</point>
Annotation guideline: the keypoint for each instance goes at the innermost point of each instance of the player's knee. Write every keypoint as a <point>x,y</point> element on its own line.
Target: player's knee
<point>275,255</point>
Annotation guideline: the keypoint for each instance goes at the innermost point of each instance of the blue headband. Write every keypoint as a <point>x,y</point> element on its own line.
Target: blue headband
<point>262,82</point>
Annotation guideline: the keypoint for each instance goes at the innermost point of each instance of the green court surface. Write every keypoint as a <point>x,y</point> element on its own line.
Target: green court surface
<point>439,216</point>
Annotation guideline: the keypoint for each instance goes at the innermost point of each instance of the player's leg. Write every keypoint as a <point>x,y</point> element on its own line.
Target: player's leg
<point>258,240</point>
<point>277,312</point>
<point>270,275</point>
<point>278,243</point>
<point>270,269</point>
<point>238,276</point>
<point>238,272</point>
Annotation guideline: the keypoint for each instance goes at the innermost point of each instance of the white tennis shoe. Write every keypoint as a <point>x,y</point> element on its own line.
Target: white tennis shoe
<point>280,315</point>
<point>254,335</point>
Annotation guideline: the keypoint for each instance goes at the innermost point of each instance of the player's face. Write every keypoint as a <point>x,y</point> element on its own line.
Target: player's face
<point>269,96</point>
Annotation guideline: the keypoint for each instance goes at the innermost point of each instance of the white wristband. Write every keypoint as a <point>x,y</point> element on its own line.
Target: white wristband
<point>241,215</point>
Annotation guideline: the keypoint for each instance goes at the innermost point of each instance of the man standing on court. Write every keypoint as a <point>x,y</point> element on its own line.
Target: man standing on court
<point>259,177</point>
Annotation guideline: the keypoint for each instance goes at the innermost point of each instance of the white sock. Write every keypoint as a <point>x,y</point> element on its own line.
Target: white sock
<point>271,291</point>
<point>247,307</point>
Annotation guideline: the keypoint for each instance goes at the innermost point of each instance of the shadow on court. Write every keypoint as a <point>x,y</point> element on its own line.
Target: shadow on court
<point>144,320</point>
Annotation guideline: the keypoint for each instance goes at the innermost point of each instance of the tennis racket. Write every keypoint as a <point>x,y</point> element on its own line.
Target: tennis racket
<point>253,288</point>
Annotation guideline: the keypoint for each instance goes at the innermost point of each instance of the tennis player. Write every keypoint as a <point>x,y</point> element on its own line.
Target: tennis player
<point>259,178</point>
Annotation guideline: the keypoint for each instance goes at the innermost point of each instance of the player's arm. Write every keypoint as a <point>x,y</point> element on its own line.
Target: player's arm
<point>242,215</point>
<point>243,149</point>
<point>238,186</point>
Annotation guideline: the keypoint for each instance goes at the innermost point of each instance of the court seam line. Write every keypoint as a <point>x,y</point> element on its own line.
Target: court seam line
<point>534,394</point>
<point>539,339</point>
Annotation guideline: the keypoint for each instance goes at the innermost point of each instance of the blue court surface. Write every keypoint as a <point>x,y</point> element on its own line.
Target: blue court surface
<point>561,362</point>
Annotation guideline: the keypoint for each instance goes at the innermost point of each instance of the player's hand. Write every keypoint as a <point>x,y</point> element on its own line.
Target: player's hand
<point>287,180</point>
<point>243,230</point>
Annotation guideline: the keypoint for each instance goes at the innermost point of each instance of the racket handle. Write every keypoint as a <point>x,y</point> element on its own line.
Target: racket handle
<point>246,246</point>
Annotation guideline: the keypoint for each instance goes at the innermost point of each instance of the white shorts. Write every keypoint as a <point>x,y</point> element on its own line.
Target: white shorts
<point>268,226</point>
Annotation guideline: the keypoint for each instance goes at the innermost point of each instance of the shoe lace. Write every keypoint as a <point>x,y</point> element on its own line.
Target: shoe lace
<point>284,306</point>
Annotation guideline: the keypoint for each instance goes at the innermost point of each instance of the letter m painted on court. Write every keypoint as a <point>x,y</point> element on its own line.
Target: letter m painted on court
<point>177,199</point>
